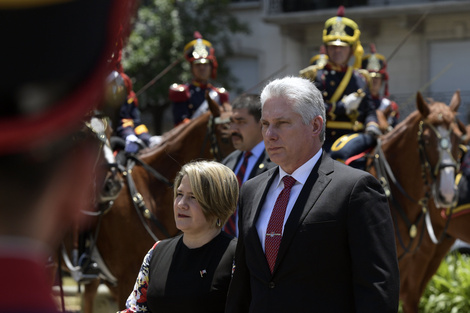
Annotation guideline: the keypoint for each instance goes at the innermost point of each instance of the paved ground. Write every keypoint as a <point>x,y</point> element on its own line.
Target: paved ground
<point>104,303</point>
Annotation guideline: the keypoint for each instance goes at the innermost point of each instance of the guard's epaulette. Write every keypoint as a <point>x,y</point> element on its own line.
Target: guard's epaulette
<point>223,94</point>
<point>179,93</point>
<point>365,73</point>
<point>309,72</point>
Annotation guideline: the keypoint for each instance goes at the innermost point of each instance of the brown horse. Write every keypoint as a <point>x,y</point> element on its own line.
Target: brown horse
<point>416,163</point>
<point>143,211</point>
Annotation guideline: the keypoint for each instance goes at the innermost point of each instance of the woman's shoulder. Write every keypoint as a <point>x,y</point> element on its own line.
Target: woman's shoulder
<point>229,241</point>
<point>165,242</point>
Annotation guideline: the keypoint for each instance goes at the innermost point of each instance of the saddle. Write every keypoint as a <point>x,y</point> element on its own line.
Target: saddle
<point>352,149</point>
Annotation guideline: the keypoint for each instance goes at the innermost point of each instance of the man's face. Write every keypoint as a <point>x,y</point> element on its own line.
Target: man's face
<point>202,71</point>
<point>339,55</point>
<point>246,131</point>
<point>289,142</point>
<point>375,85</point>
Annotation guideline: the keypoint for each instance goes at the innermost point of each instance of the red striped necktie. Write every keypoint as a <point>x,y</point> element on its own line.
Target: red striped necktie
<point>230,226</point>
<point>274,230</point>
<point>242,169</point>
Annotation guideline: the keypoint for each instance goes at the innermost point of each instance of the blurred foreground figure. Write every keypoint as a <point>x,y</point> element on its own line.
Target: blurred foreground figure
<point>54,71</point>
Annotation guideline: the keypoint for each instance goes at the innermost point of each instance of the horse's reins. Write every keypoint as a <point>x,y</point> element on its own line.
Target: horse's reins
<point>211,138</point>
<point>385,173</point>
<point>138,201</point>
<point>384,170</point>
<point>103,140</point>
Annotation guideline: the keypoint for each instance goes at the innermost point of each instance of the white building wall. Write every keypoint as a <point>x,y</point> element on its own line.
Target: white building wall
<point>289,46</point>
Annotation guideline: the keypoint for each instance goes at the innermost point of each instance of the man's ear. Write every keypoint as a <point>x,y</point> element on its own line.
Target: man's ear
<point>317,125</point>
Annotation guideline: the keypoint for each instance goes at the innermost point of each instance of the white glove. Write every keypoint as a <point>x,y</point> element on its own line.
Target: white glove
<point>351,102</point>
<point>155,141</point>
<point>132,144</point>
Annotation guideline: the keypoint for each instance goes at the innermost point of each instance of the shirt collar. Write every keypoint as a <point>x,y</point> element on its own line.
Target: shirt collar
<point>258,149</point>
<point>301,174</point>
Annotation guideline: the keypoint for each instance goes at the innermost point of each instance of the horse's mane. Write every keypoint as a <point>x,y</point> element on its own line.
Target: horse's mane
<point>403,126</point>
<point>175,134</point>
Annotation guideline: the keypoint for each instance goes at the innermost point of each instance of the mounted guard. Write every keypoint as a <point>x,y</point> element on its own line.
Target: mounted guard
<point>352,125</point>
<point>189,100</point>
<point>374,68</point>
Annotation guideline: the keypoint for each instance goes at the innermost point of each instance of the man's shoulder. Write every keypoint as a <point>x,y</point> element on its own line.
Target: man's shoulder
<point>221,92</point>
<point>349,173</point>
<point>330,165</point>
<point>179,92</point>
<point>253,182</point>
<point>361,79</point>
<point>233,155</point>
<point>264,162</point>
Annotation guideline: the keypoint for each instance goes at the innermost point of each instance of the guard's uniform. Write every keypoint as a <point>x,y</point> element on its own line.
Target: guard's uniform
<point>339,122</point>
<point>385,104</point>
<point>130,122</point>
<point>189,99</point>
<point>352,125</point>
<point>375,65</point>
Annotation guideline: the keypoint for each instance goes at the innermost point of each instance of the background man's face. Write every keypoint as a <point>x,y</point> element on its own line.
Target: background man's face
<point>246,131</point>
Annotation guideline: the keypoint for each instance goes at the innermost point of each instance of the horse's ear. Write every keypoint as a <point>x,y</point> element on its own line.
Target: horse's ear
<point>455,102</point>
<point>422,105</point>
<point>213,106</point>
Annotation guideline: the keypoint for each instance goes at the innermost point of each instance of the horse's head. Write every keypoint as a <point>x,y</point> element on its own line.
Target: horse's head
<point>439,138</point>
<point>108,183</point>
<point>221,138</point>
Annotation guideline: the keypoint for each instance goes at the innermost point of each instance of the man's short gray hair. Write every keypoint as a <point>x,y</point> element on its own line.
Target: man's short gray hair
<point>301,94</point>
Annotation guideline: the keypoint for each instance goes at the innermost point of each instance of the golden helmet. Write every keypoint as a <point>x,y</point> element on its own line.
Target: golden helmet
<point>342,31</point>
<point>376,64</point>
<point>200,51</point>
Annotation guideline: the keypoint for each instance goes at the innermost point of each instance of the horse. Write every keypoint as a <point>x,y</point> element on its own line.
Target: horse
<point>143,211</point>
<point>417,163</point>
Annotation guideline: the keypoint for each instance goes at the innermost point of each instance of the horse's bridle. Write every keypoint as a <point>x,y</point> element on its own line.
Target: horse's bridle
<point>104,202</point>
<point>211,137</point>
<point>443,146</point>
<point>385,175</point>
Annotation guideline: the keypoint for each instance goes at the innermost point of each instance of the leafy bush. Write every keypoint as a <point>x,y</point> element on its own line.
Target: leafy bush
<point>449,289</point>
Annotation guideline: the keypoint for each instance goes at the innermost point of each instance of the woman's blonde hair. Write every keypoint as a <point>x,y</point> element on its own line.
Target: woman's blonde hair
<point>214,186</point>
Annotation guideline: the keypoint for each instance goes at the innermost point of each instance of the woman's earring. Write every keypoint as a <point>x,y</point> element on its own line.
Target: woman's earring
<point>218,223</point>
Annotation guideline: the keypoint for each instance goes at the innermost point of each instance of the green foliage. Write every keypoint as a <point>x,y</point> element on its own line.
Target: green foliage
<point>449,289</point>
<point>161,30</point>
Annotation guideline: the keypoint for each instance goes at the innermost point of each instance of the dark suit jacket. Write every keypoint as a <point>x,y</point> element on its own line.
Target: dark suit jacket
<point>337,252</point>
<point>263,163</point>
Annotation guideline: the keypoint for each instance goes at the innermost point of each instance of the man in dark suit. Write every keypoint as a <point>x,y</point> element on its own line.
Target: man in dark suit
<point>314,234</point>
<point>53,75</point>
<point>250,159</point>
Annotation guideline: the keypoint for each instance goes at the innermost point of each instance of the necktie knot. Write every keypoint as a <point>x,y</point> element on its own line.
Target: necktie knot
<point>248,154</point>
<point>289,181</point>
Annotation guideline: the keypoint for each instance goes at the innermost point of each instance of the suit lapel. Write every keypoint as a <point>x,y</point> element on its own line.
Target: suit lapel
<point>313,188</point>
<point>261,165</point>
<point>232,163</point>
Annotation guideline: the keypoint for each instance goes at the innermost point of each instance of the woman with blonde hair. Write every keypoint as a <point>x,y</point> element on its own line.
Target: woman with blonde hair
<point>191,272</point>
